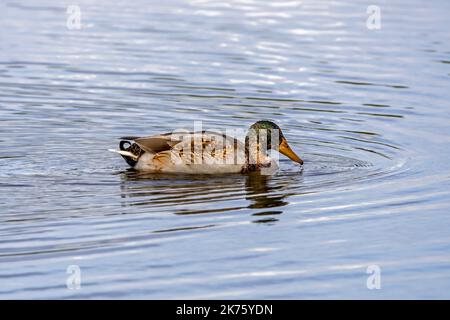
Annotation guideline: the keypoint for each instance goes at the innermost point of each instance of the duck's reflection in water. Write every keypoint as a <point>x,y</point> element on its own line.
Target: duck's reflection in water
<point>264,195</point>
<point>188,194</point>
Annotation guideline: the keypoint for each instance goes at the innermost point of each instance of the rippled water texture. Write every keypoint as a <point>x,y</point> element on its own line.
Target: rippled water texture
<point>368,110</point>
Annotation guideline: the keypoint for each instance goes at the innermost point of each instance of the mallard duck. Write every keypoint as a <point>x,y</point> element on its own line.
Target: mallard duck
<point>206,152</point>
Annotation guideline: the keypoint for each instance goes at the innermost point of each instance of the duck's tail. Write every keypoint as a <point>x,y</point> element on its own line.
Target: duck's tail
<point>131,154</point>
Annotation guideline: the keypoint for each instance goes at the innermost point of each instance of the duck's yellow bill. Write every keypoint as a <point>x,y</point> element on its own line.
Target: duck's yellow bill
<point>287,151</point>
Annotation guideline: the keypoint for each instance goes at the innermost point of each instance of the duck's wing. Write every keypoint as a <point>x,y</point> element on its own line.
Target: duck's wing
<point>154,144</point>
<point>208,147</point>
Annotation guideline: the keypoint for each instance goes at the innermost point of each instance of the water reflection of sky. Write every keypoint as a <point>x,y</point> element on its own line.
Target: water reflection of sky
<point>366,109</point>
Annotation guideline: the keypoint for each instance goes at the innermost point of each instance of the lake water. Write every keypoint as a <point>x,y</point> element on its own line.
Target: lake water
<point>368,111</point>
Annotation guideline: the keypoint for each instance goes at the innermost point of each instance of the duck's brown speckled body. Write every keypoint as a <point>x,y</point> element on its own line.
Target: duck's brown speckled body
<point>205,152</point>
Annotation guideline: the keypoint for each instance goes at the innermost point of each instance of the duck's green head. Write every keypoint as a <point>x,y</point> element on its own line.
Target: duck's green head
<point>267,130</point>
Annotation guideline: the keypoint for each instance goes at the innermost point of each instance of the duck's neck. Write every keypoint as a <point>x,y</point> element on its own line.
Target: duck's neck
<point>255,156</point>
